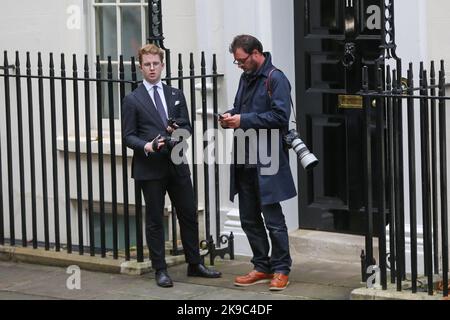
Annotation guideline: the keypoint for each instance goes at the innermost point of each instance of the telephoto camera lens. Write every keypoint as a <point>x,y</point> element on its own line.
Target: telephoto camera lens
<point>307,159</point>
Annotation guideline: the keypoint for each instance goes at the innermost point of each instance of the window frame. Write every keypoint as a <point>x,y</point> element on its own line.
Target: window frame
<point>93,36</point>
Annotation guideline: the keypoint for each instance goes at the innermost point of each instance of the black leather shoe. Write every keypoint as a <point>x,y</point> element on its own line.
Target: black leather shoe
<point>162,279</point>
<point>199,270</point>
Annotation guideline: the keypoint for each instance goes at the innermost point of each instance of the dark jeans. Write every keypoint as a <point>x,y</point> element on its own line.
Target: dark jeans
<point>254,226</point>
<point>182,196</point>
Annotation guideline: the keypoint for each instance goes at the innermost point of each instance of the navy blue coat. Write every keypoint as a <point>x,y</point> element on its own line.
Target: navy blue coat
<point>260,111</point>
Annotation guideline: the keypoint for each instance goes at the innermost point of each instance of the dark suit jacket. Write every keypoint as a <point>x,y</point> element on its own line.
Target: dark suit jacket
<point>141,123</point>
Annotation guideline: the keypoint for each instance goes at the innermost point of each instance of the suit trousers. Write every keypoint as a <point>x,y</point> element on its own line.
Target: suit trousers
<point>254,225</point>
<point>181,194</point>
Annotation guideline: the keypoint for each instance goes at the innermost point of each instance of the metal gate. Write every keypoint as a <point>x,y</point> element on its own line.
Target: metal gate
<point>53,158</point>
<point>395,99</point>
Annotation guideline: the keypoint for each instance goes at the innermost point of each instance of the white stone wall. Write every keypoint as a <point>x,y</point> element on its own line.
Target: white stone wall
<point>193,26</point>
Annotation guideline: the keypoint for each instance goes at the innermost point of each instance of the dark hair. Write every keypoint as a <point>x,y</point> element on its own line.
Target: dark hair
<point>247,43</point>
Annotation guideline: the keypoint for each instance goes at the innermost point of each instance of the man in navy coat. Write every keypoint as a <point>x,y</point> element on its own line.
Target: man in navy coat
<point>145,116</point>
<point>266,114</point>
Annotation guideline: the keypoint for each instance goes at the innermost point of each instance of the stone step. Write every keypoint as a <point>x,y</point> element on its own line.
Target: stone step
<point>328,246</point>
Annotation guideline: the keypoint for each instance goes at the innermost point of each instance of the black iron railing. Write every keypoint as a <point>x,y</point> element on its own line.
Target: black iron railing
<point>386,107</point>
<point>76,89</point>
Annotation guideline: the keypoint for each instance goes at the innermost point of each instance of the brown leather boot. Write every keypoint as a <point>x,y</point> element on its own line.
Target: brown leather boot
<point>252,278</point>
<point>279,282</point>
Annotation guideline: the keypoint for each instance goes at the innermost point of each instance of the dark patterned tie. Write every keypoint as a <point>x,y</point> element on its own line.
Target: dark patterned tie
<point>159,106</point>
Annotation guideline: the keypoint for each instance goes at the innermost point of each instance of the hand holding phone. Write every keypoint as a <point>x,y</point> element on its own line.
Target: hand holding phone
<point>219,116</point>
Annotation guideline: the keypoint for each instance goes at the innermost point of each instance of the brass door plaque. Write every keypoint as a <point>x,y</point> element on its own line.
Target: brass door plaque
<point>350,102</point>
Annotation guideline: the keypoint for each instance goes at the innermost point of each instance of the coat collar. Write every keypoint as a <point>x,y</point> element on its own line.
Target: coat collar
<point>267,65</point>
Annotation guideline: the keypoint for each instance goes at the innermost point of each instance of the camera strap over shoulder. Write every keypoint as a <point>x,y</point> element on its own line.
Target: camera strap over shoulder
<point>269,89</point>
<point>269,78</point>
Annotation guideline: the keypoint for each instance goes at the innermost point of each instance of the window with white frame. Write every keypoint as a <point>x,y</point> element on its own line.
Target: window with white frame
<point>121,28</point>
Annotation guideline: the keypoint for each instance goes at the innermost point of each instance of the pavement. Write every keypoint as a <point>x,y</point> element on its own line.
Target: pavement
<point>310,279</point>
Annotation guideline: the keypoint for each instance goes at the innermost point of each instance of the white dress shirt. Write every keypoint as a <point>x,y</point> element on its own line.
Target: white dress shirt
<point>151,92</point>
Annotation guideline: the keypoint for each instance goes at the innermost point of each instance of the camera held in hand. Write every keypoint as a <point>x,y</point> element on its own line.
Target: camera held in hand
<point>172,123</point>
<point>307,159</point>
<point>168,140</point>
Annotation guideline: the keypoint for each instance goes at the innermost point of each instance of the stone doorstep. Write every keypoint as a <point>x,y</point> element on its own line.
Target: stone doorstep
<point>86,262</point>
<point>328,246</point>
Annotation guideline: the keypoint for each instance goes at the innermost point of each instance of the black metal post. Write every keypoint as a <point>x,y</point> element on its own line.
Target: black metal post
<point>155,23</point>
<point>66,155</point>
<point>443,168</point>
<point>388,28</point>
<point>126,213</point>
<point>206,162</point>
<point>426,184</point>
<point>43,152</point>
<point>137,189</point>
<point>395,200</point>
<point>194,129</point>
<point>397,169</point>
<point>9,153</point>
<point>21,155</point>
<point>434,171</point>
<point>54,155</point>
<point>216,150</point>
<point>32,152</point>
<point>382,179</point>
<point>112,143</point>
<point>168,77</point>
<point>391,165</point>
<point>101,175</point>
<point>87,114</point>
<point>78,156</point>
<point>412,178</point>
<point>368,172</point>
<point>400,189</point>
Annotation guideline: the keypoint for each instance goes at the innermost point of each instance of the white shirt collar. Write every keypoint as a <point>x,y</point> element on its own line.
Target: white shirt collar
<point>150,86</point>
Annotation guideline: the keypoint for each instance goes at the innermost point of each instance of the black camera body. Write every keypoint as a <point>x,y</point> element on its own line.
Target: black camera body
<point>168,140</point>
<point>292,140</point>
<point>172,123</point>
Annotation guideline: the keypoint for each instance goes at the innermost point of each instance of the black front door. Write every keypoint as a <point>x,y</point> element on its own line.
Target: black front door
<point>334,40</point>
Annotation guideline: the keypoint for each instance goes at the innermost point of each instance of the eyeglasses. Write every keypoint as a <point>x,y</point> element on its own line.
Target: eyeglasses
<point>153,65</point>
<point>241,61</point>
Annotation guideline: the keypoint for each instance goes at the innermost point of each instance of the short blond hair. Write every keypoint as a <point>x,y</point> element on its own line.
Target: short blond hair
<point>150,49</point>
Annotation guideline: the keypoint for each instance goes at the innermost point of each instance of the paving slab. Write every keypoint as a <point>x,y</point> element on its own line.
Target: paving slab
<point>310,278</point>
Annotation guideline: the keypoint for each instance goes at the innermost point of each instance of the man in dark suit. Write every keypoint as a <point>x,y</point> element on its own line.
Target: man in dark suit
<point>262,103</point>
<point>145,116</point>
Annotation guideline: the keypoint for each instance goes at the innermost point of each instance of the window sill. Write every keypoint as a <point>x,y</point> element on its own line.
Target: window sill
<point>94,146</point>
